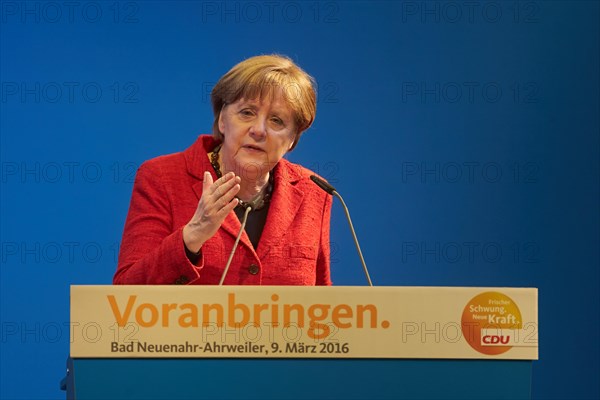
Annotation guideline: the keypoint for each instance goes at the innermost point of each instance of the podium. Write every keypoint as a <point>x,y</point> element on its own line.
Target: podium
<point>193,342</point>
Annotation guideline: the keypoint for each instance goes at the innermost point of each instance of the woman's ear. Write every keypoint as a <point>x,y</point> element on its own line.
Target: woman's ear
<point>293,141</point>
<point>221,124</point>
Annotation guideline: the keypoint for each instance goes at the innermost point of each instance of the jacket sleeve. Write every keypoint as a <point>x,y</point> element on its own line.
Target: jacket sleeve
<point>324,257</point>
<point>152,249</point>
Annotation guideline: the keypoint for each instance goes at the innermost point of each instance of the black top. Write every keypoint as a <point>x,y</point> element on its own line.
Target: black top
<point>255,224</point>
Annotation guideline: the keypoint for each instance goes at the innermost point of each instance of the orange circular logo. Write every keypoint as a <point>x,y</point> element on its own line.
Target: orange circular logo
<point>494,314</point>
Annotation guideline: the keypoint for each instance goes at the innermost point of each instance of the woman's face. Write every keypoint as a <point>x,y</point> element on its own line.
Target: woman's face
<point>256,135</point>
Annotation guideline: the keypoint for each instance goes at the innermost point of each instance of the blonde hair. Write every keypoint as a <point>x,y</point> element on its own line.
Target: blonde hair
<point>258,76</point>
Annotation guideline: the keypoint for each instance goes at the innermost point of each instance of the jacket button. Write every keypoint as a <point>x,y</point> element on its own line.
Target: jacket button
<point>253,269</point>
<point>182,280</point>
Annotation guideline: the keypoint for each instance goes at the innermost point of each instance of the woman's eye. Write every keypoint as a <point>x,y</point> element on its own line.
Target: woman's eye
<point>277,121</point>
<point>246,112</point>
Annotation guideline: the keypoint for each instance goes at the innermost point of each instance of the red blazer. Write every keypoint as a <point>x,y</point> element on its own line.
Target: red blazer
<point>293,248</point>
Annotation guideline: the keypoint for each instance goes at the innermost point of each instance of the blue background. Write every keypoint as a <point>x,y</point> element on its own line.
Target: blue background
<point>464,138</point>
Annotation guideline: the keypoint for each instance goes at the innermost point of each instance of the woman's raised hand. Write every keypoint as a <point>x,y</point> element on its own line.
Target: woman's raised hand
<point>217,201</point>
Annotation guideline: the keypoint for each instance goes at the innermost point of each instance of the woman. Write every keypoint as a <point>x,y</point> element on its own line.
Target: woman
<point>186,207</point>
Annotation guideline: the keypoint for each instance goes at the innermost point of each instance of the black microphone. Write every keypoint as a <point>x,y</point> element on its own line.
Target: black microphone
<point>322,184</point>
<point>331,190</point>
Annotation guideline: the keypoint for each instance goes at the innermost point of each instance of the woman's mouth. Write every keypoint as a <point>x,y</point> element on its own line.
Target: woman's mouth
<point>253,148</point>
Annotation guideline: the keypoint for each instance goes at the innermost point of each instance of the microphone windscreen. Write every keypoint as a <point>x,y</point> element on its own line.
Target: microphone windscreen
<point>322,184</point>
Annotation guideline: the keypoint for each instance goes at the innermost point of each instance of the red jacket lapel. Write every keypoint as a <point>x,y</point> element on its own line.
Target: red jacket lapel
<point>285,203</point>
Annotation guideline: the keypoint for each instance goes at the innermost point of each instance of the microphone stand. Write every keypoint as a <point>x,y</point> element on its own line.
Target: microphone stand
<point>331,190</point>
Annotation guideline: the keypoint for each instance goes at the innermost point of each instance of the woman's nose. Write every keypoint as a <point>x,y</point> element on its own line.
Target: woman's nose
<point>259,128</point>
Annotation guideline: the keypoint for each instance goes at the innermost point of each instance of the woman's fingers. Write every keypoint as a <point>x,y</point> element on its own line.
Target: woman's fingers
<point>217,201</point>
<point>223,192</point>
<point>208,181</point>
<point>224,183</point>
<point>227,197</point>
<point>223,212</point>
<point>218,195</point>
